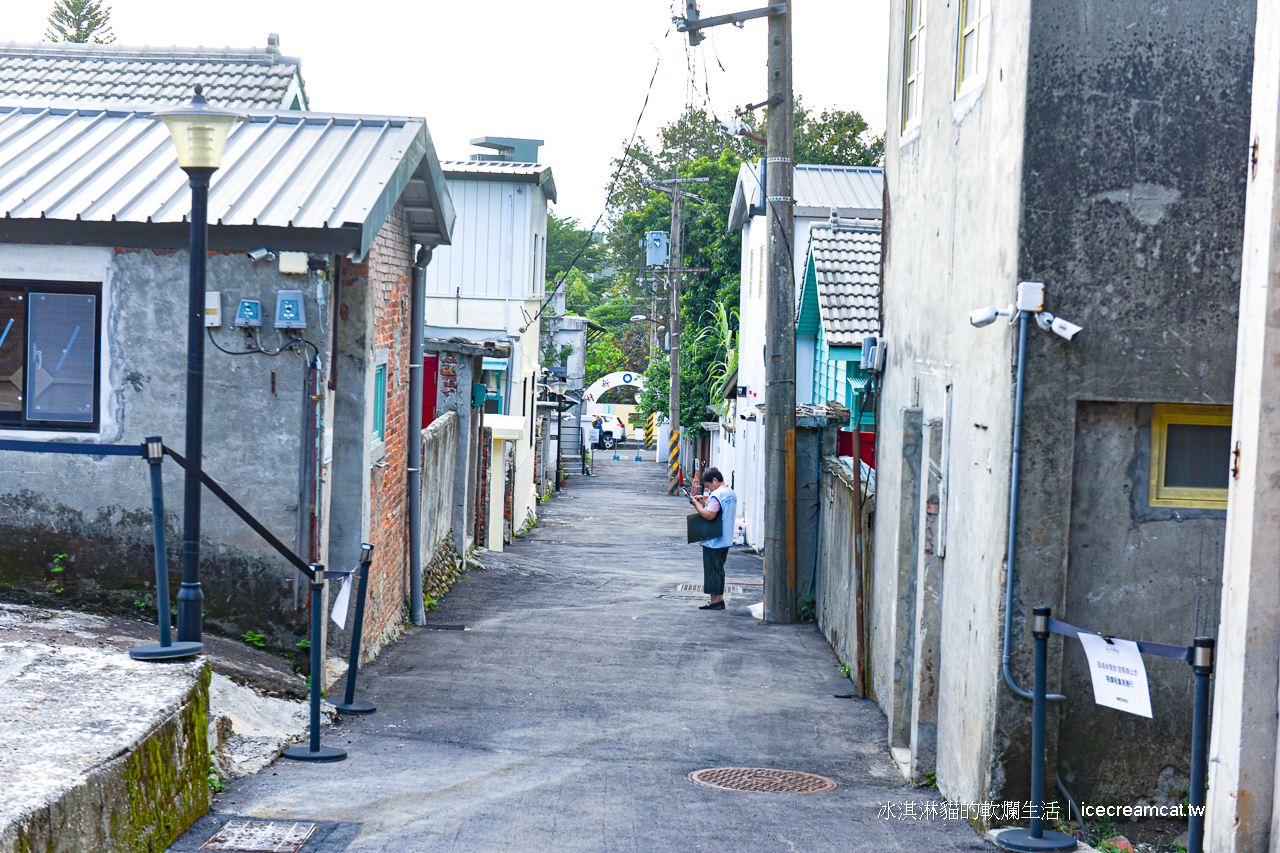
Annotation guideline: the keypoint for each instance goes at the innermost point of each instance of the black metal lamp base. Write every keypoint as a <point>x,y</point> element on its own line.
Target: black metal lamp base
<point>303,753</point>
<point>173,651</point>
<point>1020,840</point>
<point>356,706</point>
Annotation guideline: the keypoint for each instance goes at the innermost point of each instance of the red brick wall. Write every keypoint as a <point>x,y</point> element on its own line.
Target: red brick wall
<point>387,273</point>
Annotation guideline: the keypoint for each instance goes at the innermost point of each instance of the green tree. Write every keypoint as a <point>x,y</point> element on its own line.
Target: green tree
<point>565,239</point>
<point>833,138</point>
<point>603,358</point>
<point>80,21</point>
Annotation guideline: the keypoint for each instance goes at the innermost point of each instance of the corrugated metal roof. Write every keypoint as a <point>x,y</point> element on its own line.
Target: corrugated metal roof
<point>846,262</point>
<point>290,180</point>
<point>502,170</point>
<point>857,192</point>
<point>254,78</point>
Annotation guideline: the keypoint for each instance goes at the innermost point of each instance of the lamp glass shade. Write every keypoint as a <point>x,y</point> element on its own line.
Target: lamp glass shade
<point>561,387</point>
<point>199,131</point>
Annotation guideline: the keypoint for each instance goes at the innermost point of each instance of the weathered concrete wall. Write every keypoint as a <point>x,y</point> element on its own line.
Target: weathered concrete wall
<point>951,221</point>
<point>1134,568</point>
<point>838,585</point>
<point>1132,216</point>
<point>97,511</point>
<point>1096,156</point>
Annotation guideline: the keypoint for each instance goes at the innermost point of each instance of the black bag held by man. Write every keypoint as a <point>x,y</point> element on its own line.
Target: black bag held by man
<point>702,529</point>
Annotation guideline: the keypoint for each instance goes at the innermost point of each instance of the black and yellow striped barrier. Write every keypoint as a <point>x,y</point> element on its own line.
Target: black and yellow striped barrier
<point>673,456</point>
<point>649,443</point>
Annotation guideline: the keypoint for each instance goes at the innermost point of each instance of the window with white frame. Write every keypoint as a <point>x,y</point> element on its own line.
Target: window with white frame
<point>50,361</point>
<point>971,49</point>
<point>913,63</point>
<point>377,432</point>
<point>751,274</point>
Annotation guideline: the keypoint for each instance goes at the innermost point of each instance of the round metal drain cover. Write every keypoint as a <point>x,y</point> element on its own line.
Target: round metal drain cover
<point>761,780</point>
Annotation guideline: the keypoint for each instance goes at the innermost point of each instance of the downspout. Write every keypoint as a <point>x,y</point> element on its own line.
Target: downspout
<point>1013,514</point>
<point>417,299</point>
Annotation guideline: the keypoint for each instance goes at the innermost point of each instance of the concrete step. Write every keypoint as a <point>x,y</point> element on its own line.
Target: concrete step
<point>98,751</point>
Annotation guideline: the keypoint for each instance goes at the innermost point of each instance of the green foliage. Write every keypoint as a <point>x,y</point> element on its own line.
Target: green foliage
<point>807,608</point>
<point>565,239</point>
<point>833,138</point>
<point>603,357</point>
<point>80,21</point>
<point>139,604</point>
<point>304,645</point>
<point>844,670</point>
<point>217,784</point>
<point>254,639</point>
<point>58,564</point>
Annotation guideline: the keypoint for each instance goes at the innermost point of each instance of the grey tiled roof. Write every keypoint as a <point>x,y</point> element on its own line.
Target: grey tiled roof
<point>846,263</point>
<point>254,78</point>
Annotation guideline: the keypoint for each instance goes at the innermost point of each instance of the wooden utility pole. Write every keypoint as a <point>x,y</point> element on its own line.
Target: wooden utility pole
<point>780,335</point>
<point>673,326</point>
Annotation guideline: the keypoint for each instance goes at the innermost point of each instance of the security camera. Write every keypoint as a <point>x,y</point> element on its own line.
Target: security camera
<point>987,316</point>
<point>262,255</point>
<point>1045,320</point>
<point>1063,328</point>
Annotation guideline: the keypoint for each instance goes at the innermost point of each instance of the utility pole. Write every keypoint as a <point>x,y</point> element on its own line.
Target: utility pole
<point>673,326</point>
<point>780,337</point>
<point>780,332</point>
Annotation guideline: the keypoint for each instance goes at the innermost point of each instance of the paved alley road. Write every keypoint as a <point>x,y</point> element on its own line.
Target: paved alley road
<point>584,690</point>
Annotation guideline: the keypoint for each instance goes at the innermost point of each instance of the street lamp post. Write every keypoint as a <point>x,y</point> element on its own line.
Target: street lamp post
<point>199,133</point>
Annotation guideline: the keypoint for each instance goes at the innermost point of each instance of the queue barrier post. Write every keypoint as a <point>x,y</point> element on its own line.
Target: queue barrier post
<point>314,752</point>
<point>350,704</point>
<point>1202,666</point>
<point>166,649</point>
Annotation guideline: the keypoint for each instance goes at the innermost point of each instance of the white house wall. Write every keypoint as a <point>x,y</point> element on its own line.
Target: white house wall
<point>499,227</point>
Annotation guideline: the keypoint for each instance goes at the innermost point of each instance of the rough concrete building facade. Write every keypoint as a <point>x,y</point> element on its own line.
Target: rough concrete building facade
<point>1095,149</point>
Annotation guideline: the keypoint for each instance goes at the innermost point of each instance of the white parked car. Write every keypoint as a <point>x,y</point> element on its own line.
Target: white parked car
<point>610,432</point>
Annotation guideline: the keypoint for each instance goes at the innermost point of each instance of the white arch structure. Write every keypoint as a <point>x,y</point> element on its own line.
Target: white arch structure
<point>604,383</point>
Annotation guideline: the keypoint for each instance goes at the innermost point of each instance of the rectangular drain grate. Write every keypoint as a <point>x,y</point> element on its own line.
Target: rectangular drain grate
<point>260,836</point>
<point>746,581</point>
<point>697,587</point>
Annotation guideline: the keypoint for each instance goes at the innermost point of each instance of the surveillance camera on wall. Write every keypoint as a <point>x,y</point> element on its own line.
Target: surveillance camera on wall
<point>987,316</point>
<point>1064,328</point>
<point>262,255</point>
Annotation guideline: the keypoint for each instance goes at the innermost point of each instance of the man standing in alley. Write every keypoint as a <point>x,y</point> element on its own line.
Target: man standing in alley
<point>722,501</point>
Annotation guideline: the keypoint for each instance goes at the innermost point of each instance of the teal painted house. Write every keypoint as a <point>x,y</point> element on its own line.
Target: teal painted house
<point>839,305</point>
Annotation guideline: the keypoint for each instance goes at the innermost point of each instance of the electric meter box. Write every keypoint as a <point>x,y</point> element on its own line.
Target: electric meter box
<point>212,309</point>
<point>657,249</point>
<point>249,313</point>
<point>289,311</point>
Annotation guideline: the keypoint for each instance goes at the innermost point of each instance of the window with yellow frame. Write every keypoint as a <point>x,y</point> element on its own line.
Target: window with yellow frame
<point>971,52</point>
<point>1190,456</point>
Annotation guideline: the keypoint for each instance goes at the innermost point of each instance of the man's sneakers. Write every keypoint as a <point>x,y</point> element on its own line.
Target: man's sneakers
<point>719,605</point>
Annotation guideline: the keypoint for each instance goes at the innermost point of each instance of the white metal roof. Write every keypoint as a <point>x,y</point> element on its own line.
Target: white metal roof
<point>502,170</point>
<point>252,78</point>
<point>290,180</point>
<point>857,192</point>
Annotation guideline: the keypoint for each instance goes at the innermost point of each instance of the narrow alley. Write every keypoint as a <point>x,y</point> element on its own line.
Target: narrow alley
<point>559,698</point>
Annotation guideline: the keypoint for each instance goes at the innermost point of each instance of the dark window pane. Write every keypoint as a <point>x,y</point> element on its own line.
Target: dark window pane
<point>1197,456</point>
<point>62,349</point>
<point>13,348</point>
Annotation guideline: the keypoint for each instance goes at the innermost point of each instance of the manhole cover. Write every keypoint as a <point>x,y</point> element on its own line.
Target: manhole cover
<point>697,587</point>
<point>761,780</point>
<point>541,541</point>
<point>746,581</point>
<point>260,836</point>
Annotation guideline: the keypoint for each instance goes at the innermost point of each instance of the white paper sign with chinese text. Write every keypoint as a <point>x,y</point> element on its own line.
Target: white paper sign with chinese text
<point>1118,673</point>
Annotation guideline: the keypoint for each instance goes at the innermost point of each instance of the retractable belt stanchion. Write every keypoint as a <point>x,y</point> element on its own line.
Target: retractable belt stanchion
<point>1037,838</point>
<point>351,705</point>
<point>1202,666</point>
<point>314,751</point>
<point>166,649</point>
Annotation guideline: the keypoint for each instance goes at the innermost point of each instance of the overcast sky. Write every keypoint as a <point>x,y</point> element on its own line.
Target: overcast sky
<point>572,73</point>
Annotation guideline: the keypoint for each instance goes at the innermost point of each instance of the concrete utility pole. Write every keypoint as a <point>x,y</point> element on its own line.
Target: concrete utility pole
<point>780,332</point>
<point>677,264</point>
<point>780,337</point>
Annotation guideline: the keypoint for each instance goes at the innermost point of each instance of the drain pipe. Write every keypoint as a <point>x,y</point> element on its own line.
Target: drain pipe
<point>417,297</point>
<point>1013,514</point>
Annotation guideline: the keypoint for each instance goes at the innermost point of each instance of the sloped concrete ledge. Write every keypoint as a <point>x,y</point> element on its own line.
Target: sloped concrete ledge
<point>99,752</point>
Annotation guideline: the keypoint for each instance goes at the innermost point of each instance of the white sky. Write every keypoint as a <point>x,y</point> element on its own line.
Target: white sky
<point>571,73</point>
